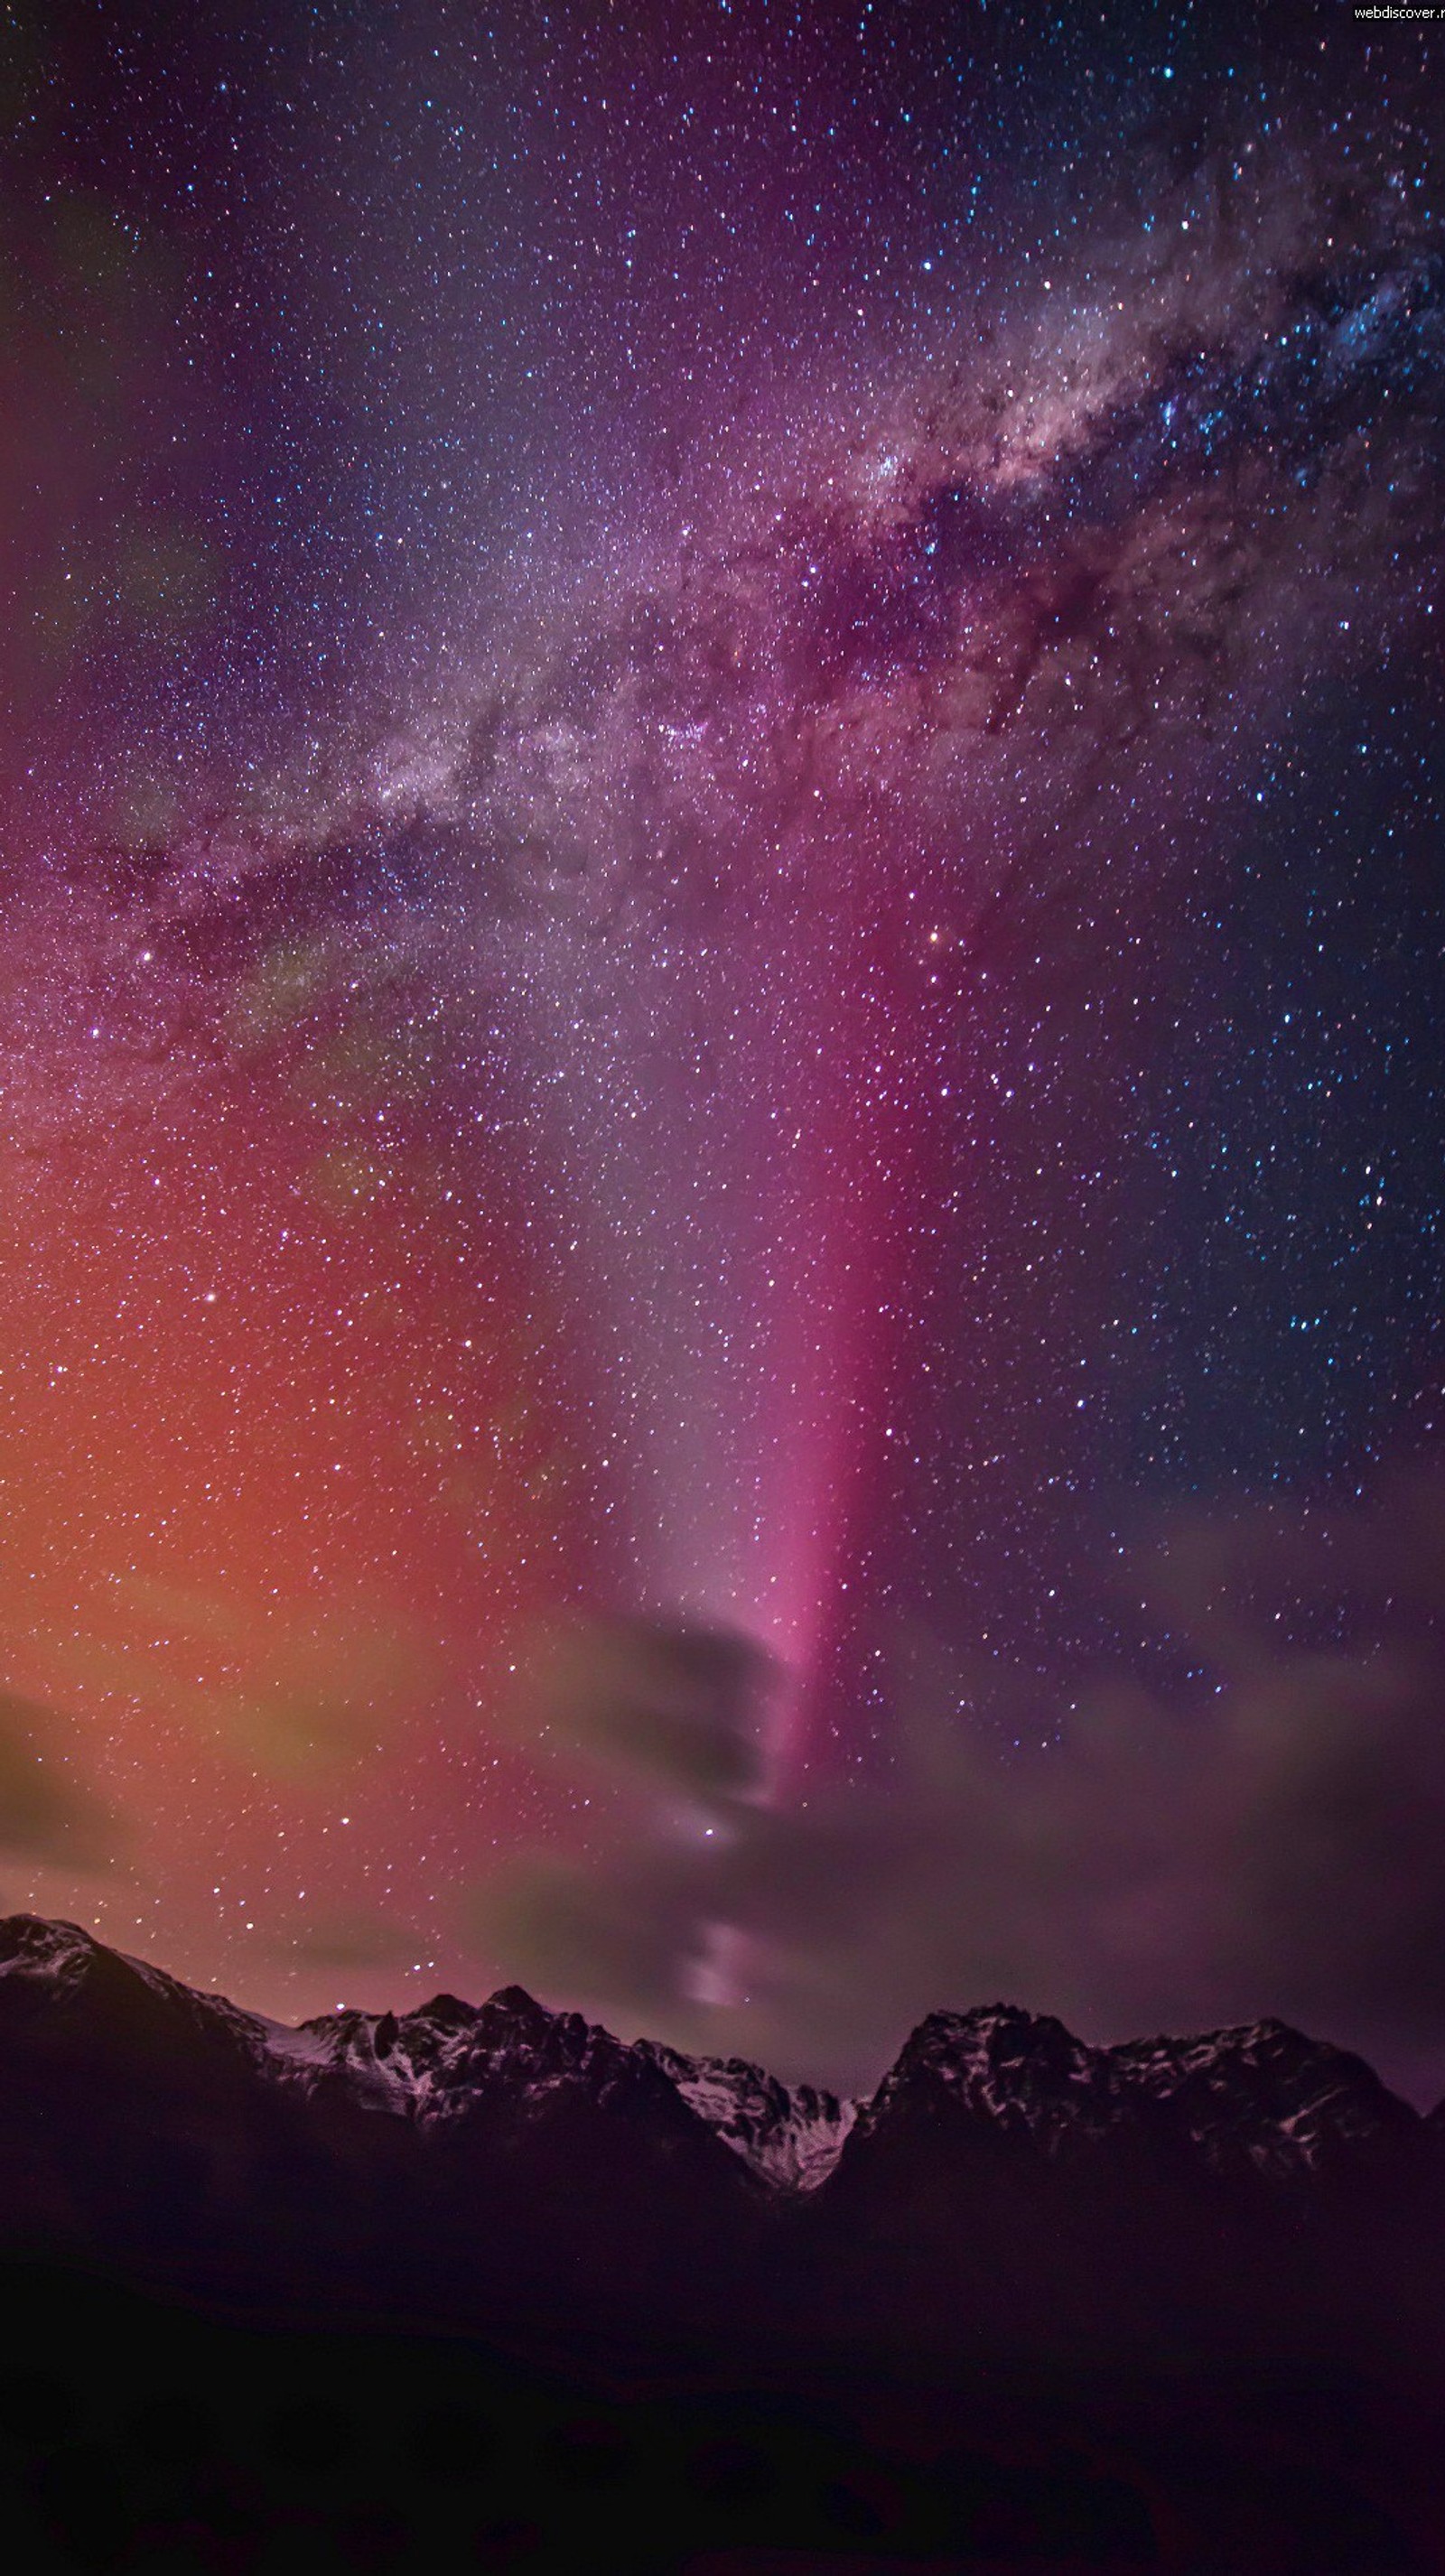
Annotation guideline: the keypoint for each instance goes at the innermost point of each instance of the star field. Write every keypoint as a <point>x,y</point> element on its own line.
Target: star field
<point>722,906</point>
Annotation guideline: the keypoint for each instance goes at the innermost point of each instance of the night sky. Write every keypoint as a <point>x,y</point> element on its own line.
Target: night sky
<point>721,1010</point>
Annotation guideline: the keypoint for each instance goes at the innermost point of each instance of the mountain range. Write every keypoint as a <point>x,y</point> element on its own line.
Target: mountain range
<point>1006,2187</point>
<point>518,2293</point>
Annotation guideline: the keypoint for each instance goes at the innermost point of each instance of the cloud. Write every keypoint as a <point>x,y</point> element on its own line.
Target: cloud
<point>680,1704</point>
<point>46,1814</point>
<point>312,1698</point>
<point>1275,1843</point>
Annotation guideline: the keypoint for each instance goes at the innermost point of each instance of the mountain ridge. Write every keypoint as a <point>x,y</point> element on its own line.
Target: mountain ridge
<point>1008,2195</point>
<point>1257,2092</point>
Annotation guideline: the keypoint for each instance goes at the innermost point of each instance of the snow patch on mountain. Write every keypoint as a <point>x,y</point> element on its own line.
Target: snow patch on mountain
<point>790,2134</point>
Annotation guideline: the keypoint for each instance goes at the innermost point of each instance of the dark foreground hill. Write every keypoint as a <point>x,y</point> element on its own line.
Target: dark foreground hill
<point>482,2285</point>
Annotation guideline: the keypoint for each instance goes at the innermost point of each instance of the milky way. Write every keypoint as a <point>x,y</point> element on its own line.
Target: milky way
<point>683,875</point>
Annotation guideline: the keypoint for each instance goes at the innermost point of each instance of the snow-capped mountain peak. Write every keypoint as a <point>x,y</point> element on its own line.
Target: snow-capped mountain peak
<point>1262,2093</point>
<point>1007,2073</point>
<point>790,2134</point>
<point>445,2060</point>
<point>444,2057</point>
<point>1260,2096</point>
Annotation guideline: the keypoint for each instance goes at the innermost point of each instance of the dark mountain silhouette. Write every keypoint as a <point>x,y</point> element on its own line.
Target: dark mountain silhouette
<point>1222,2256</point>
